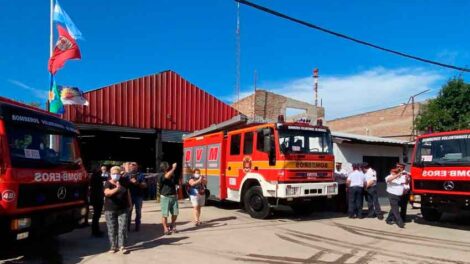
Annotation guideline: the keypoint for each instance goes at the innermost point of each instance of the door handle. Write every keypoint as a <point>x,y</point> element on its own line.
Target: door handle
<point>255,168</point>
<point>229,168</point>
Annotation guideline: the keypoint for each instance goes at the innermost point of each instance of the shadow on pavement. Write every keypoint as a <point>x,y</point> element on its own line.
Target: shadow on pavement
<point>32,251</point>
<point>211,223</point>
<point>459,221</point>
<point>80,244</point>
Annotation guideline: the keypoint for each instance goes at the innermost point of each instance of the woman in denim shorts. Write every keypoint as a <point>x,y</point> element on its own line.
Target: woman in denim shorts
<point>197,194</point>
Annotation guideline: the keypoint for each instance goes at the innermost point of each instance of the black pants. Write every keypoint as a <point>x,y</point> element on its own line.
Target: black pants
<point>404,205</point>
<point>355,201</point>
<point>394,214</point>
<point>341,199</point>
<point>95,224</point>
<point>372,199</point>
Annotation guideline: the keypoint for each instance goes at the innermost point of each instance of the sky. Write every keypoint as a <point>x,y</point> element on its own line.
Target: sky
<point>128,39</point>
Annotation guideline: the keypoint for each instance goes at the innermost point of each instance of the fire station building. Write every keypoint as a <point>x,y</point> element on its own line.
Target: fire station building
<point>144,119</point>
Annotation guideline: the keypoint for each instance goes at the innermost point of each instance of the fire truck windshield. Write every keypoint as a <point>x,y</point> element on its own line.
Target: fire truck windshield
<point>452,150</point>
<point>38,148</point>
<point>304,141</point>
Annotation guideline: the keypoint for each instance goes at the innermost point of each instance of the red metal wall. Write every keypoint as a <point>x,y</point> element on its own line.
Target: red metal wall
<point>159,101</point>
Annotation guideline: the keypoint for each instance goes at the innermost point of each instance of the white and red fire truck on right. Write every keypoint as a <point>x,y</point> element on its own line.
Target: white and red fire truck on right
<point>440,173</point>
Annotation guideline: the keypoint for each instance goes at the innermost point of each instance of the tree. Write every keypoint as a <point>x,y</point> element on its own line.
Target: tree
<point>450,110</point>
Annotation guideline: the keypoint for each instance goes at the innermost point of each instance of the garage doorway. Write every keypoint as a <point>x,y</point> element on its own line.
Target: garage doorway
<point>382,165</point>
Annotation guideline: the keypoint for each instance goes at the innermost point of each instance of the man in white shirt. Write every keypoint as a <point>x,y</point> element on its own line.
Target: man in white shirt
<point>372,197</point>
<point>340,177</point>
<point>356,182</point>
<point>405,198</point>
<point>395,189</point>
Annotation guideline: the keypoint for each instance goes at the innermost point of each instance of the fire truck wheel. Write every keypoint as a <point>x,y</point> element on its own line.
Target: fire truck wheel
<point>430,214</point>
<point>256,204</point>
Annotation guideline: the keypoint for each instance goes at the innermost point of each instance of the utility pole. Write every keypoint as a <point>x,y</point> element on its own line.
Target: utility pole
<point>412,99</point>
<point>255,79</point>
<point>315,91</point>
<point>238,53</point>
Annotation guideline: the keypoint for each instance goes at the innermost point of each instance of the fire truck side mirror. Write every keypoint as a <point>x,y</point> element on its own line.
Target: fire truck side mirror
<point>267,144</point>
<point>267,131</point>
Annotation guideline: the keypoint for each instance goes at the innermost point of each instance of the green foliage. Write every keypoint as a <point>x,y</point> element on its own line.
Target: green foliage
<point>450,110</point>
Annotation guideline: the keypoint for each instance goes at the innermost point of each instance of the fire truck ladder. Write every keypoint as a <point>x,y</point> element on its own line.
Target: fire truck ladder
<point>234,122</point>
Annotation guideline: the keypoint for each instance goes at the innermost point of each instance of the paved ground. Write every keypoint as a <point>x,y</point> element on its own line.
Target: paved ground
<point>231,236</point>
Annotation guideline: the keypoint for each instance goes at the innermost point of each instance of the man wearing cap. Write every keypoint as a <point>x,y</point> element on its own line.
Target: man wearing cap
<point>356,182</point>
<point>405,198</point>
<point>372,197</point>
<point>340,177</point>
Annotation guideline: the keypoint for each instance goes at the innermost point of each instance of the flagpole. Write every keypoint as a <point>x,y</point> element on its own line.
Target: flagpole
<point>51,40</point>
<point>51,50</point>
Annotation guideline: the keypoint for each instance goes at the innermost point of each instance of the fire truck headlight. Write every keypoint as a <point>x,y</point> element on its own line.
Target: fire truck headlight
<point>292,190</point>
<point>23,235</point>
<point>83,211</point>
<point>21,223</point>
<point>331,189</point>
<point>415,198</point>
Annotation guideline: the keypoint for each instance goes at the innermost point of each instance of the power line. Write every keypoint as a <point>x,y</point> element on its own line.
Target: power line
<point>270,11</point>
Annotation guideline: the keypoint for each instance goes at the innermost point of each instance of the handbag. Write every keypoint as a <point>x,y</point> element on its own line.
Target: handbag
<point>202,189</point>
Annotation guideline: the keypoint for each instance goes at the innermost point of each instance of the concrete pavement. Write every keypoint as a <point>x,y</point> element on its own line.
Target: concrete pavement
<point>230,236</point>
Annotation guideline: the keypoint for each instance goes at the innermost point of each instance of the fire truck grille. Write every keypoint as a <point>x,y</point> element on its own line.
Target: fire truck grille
<point>450,186</point>
<point>32,195</point>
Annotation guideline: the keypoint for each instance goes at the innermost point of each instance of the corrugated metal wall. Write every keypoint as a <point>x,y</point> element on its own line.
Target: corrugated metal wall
<point>160,101</point>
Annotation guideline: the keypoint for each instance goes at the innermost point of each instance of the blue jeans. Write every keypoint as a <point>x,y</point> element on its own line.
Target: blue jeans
<point>152,190</point>
<point>137,202</point>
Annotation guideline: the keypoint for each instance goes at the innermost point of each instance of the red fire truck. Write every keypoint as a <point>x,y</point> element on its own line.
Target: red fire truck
<point>43,184</point>
<point>440,173</point>
<point>262,165</point>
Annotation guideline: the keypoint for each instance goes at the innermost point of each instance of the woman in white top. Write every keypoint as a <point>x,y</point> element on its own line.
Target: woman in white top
<point>395,188</point>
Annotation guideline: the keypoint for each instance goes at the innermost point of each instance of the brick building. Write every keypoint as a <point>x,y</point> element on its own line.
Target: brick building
<point>264,105</point>
<point>394,122</point>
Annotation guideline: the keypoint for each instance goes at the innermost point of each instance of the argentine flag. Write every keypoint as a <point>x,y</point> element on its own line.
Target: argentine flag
<point>61,17</point>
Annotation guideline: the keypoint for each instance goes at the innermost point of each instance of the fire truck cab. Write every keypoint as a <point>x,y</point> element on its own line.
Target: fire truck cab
<point>262,165</point>
<point>43,184</point>
<point>440,173</point>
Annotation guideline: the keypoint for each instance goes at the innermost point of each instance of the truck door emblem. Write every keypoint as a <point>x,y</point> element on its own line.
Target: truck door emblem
<point>449,185</point>
<point>8,196</point>
<point>247,164</point>
<point>61,193</point>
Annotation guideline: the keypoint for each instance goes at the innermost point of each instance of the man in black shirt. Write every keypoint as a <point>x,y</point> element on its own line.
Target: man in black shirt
<point>168,196</point>
<point>97,199</point>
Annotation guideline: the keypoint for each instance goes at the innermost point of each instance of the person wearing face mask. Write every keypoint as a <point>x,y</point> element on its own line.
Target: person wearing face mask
<point>116,206</point>
<point>197,194</point>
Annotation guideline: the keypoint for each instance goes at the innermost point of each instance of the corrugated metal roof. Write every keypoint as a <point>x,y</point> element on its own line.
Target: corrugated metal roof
<point>369,139</point>
<point>160,101</point>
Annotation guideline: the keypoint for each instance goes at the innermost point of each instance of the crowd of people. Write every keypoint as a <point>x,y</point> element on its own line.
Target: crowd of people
<point>120,191</point>
<point>361,183</point>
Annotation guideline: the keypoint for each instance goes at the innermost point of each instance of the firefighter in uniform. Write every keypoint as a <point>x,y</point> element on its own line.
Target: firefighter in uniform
<point>342,198</point>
